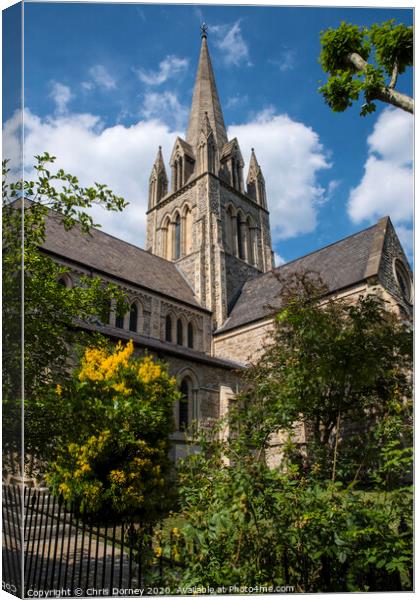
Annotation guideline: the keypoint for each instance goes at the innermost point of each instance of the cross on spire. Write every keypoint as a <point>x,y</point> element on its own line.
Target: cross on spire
<point>205,99</point>
<point>204,29</point>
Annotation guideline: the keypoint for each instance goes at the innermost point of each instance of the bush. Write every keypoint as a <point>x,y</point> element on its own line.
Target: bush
<point>113,457</point>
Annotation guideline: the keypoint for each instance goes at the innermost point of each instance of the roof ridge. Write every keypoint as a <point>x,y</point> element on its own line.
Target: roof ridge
<point>275,270</point>
<point>114,237</point>
<point>327,246</point>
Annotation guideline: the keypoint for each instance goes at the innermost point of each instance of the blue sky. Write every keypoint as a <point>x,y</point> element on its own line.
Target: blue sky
<point>106,84</point>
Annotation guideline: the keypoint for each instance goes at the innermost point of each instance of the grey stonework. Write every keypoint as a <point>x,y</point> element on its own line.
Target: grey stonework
<point>200,276</point>
<point>391,253</point>
<point>237,273</point>
<point>209,190</point>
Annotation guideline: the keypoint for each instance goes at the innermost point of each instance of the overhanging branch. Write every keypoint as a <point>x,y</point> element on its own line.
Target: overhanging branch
<point>385,93</point>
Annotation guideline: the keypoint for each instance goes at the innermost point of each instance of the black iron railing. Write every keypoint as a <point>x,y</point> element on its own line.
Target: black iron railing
<point>48,545</point>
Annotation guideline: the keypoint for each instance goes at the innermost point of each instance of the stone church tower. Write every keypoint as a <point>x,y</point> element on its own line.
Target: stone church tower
<point>214,229</point>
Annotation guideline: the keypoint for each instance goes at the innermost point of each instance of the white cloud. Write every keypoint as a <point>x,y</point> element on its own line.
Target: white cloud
<point>61,95</point>
<point>238,100</point>
<point>102,77</point>
<point>392,136</point>
<point>166,107</point>
<point>406,237</point>
<point>170,67</point>
<point>228,38</point>
<point>278,260</point>
<point>122,157</point>
<point>286,60</point>
<point>87,85</point>
<point>386,187</point>
<point>12,142</point>
<point>290,155</point>
<point>331,187</point>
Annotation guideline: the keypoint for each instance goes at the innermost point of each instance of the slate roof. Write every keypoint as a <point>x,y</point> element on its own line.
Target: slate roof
<point>340,265</point>
<point>163,348</point>
<point>227,148</point>
<point>106,254</point>
<point>186,146</point>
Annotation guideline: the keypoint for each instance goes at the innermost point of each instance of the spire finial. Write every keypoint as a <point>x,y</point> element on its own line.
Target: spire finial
<point>203,28</point>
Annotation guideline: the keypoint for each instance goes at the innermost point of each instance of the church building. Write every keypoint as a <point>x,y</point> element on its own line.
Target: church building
<point>200,292</point>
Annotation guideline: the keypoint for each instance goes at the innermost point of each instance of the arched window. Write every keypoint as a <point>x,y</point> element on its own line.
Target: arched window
<point>168,328</point>
<point>231,230</point>
<point>119,321</point>
<point>65,280</point>
<point>404,280</point>
<point>181,173</point>
<point>134,313</point>
<point>228,229</point>
<point>239,234</point>
<point>250,241</point>
<point>177,237</point>
<point>166,238</point>
<point>190,335</point>
<point>107,313</point>
<point>179,332</point>
<point>185,389</point>
<point>212,166</point>
<point>187,234</point>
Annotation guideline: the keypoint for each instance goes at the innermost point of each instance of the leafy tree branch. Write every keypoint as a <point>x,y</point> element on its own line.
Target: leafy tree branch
<point>345,52</point>
<point>51,312</point>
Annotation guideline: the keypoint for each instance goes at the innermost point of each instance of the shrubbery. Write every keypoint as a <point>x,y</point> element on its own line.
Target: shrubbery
<point>336,513</point>
<point>113,456</point>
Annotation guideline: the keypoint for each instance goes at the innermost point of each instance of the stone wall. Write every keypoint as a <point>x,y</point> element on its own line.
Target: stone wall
<point>153,311</point>
<point>260,219</point>
<point>244,344</point>
<point>237,273</point>
<point>391,252</point>
<point>215,275</point>
<point>187,266</point>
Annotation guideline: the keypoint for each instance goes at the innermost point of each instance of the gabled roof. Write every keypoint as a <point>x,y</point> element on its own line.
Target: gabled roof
<point>185,147</point>
<point>109,255</point>
<point>340,265</point>
<point>206,99</point>
<point>229,147</point>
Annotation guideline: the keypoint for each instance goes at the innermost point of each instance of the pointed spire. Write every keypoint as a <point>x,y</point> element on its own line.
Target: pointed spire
<point>254,170</point>
<point>159,165</point>
<point>205,99</point>
<point>255,181</point>
<point>205,125</point>
<point>158,181</point>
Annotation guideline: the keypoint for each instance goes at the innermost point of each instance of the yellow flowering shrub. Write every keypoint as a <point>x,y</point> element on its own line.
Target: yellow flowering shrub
<point>116,459</point>
<point>99,365</point>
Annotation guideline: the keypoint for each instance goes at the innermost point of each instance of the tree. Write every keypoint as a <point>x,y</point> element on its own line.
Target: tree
<point>344,57</point>
<point>111,434</point>
<point>52,313</point>
<point>336,513</point>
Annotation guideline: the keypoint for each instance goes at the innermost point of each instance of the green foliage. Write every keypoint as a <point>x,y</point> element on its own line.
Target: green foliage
<point>338,43</point>
<point>390,47</point>
<point>51,311</point>
<point>393,45</point>
<point>112,453</point>
<point>335,514</point>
